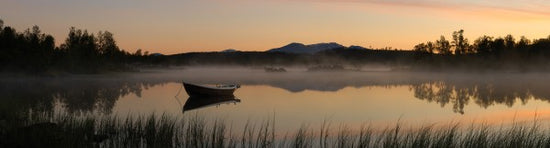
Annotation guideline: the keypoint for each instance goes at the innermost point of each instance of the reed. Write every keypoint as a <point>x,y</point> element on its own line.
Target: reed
<point>65,130</point>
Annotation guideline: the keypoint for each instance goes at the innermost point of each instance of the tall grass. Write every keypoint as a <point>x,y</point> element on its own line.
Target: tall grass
<point>163,130</point>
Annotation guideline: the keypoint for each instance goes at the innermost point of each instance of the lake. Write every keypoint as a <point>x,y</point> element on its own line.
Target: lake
<point>293,98</point>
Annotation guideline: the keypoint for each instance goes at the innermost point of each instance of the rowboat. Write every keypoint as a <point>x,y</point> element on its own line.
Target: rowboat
<point>217,90</point>
<point>195,102</point>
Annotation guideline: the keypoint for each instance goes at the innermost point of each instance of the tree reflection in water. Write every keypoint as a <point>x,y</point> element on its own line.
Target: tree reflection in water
<point>23,98</point>
<point>97,95</point>
<point>483,94</point>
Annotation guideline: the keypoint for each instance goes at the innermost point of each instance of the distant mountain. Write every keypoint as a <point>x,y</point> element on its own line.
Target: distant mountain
<point>307,49</point>
<point>357,47</point>
<point>156,54</point>
<point>230,50</point>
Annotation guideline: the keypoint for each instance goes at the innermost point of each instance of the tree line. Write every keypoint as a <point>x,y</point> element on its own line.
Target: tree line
<point>486,52</point>
<point>32,51</point>
<point>484,45</point>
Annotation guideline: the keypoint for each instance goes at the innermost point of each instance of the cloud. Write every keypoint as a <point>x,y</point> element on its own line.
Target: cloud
<point>527,7</point>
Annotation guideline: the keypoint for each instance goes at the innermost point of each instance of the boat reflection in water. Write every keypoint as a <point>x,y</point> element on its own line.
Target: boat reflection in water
<point>203,96</point>
<point>195,102</point>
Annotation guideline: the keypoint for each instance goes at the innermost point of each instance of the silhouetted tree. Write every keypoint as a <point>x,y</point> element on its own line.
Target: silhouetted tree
<point>111,54</point>
<point>443,46</point>
<point>431,47</point>
<point>28,51</point>
<point>483,45</point>
<point>540,48</point>
<point>421,48</point>
<point>8,49</point>
<point>509,42</point>
<point>39,50</point>
<point>81,50</point>
<point>107,45</point>
<point>428,47</point>
<point>523,43</point>
<point>499,46</point>
<point>138,53</point>
<point>35,52</point>
<point>460,43</point>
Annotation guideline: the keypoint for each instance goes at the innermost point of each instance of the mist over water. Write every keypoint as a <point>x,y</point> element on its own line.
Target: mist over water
<point>294,97</point>
<point>93,90</point>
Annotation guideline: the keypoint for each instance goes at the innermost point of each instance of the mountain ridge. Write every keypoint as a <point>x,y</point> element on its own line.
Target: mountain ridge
<point>300,48</point>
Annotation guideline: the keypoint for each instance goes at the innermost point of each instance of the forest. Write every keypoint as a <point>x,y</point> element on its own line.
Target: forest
<point>34,52</point>
<point>485,54</point>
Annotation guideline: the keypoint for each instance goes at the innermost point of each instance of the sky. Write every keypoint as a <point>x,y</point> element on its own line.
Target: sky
<point>176,26</point>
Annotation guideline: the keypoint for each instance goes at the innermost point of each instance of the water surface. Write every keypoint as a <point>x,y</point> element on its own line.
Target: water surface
<point>294,98</point>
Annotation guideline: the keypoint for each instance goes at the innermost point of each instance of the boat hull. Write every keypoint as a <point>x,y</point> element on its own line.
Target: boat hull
<point>197,90</point>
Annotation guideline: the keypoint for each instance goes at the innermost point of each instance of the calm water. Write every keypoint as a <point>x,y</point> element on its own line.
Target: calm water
<point>294,98</point>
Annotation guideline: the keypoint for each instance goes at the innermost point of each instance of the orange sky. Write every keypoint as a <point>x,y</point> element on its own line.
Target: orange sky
<point>173,26</point>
